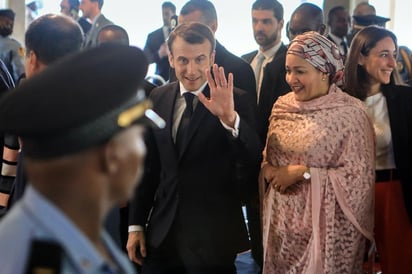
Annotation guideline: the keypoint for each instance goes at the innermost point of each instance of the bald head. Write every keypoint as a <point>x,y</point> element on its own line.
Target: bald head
<point>306,17</point>
<point>364,8</point>
<point>53,36</point>
<point>113,34</point>
<point>199,11</point>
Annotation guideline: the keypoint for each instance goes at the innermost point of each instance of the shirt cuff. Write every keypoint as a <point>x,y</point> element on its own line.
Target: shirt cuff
<point>134,228</point>
<point>234,131</point>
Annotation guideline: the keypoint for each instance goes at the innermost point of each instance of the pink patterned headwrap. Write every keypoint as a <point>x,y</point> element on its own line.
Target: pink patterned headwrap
<point>320,52</point>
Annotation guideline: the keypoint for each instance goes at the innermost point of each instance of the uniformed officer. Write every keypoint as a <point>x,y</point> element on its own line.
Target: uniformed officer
<point>11,51</point>
<point>79,124</point>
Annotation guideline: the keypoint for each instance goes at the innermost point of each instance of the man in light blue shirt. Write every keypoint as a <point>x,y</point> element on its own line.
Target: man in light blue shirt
<point>38,218</point>
<point>11,51</point>
<point>84,154</point>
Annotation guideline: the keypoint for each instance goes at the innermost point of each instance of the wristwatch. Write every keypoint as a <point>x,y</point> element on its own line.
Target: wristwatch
<point>306,174</point>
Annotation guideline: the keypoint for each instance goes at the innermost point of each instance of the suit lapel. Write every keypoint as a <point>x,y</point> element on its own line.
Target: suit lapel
<point>249,57</point>
<point>164,106</point>
<point>263,90</point>
<point>395,116</point>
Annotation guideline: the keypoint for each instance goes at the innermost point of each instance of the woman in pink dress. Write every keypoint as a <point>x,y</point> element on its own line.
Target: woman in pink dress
<point>317,176</point>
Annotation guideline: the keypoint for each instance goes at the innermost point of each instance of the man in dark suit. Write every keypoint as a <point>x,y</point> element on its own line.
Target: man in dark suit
<point>155,47</point>
<point>306,17</point>
<point>203,11</point>
<point>339,23</point>
<point>267,23</point>
<point>71,9</point>
<point>92,9</point>
<point>196,166</point>
<point>267,20</point>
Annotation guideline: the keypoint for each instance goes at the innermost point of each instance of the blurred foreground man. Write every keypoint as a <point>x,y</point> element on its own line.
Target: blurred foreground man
<point>80,163</point>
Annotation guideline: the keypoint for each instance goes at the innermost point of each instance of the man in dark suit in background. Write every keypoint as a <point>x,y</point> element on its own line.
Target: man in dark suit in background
<point>71,8</point>
<point>267,23</point>
<point>306,17</point>
<point>155,47</point>
<point>195,166</point>
<point>339,23</point>
<point>92,9</point>
<point>203,11</point>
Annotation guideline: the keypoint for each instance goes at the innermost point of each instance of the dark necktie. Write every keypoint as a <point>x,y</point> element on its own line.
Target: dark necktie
<point>184,122</point>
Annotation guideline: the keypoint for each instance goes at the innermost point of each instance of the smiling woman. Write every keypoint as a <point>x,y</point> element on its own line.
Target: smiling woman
<point>310,207</point>
<point>371,77</point>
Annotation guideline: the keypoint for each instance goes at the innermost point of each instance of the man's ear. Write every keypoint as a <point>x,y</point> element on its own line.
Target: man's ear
<point>109,158</point>
<point>212,57</point>
<point>322,29</point>
<point>31,61</point>
<point>281,24</point>
<point>213,26</point>
<point>170,57</point>
<point>33,64</point>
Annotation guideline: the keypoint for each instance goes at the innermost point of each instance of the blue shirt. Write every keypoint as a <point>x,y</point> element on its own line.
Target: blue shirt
<point>11,53</point>
<point>34,217</point>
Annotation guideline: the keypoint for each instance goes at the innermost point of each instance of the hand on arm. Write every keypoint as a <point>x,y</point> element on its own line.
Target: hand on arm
<point>220,103</point>
<point>136,244</point>
<point>282,177</point>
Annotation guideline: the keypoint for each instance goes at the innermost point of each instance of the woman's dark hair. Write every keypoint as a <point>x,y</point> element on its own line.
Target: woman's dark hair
<point>356,78</point>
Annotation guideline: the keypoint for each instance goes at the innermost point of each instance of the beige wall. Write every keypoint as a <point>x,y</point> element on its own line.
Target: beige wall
<point>19,8</point>
<point>348,4</point>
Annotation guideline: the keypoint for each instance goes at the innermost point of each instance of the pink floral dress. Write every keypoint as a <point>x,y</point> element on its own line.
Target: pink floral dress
<point>321,225</point>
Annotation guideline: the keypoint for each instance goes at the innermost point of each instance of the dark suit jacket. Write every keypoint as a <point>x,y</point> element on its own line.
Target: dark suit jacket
<point>273,85</point>
<point>91,36</point>
<point>244,77</point>
<point>153,42</point>
<point>339,47</point>
<point>399,100</point>
<point>198,189</point>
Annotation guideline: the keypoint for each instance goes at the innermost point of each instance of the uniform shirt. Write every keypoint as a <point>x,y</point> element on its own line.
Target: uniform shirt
<point>34,217</point>
<point>11,53</point>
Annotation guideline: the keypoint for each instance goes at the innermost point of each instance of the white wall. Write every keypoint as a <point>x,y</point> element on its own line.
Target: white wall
<point>140,17</point>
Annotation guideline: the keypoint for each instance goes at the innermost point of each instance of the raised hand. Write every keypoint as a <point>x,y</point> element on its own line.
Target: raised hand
<point>221,102</point>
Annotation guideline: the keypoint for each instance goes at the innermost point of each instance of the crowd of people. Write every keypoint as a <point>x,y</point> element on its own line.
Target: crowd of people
<point>292,158</point>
